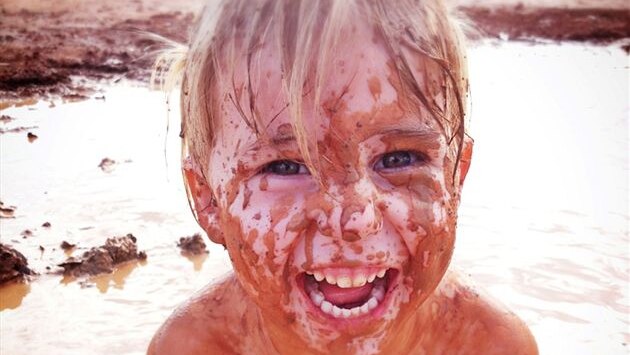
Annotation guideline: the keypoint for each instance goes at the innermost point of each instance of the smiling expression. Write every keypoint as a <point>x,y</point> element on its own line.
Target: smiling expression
<point>348,255</point>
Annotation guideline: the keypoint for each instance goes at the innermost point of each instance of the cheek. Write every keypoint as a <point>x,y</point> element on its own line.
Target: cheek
<point>417,205</point>
<point>421,209</point>
<point>266,225</point>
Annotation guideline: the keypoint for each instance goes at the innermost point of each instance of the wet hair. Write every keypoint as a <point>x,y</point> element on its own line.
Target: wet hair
<point>307,33</point>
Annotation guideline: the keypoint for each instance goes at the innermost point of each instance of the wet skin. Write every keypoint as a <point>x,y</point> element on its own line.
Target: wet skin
<point>386,204</point>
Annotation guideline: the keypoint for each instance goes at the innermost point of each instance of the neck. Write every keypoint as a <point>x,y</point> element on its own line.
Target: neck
<point>400,337</point>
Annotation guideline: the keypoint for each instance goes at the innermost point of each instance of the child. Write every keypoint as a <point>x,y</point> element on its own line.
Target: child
<point>324,147</point>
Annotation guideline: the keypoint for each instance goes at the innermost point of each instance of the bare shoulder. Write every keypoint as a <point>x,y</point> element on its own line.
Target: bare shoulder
<point>476,323</point>
<point>207,323</point>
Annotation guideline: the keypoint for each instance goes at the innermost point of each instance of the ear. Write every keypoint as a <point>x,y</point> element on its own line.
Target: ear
<point>464,161</point>
<point>202,201</point>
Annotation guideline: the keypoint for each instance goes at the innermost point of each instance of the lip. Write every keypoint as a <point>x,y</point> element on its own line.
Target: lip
<point>392,280</point>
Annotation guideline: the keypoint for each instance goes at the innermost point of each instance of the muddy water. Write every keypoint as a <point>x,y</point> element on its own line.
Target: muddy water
<point>544,220</point>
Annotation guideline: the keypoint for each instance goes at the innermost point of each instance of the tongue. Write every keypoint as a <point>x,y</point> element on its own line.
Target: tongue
<point>341,296</point>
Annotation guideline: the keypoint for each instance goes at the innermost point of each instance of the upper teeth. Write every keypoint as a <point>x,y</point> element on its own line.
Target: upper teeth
<point>376,296</point>
<point>347,281</point>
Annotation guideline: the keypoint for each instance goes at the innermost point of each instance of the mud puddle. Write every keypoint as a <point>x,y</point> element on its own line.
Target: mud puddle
<point>543,221</point>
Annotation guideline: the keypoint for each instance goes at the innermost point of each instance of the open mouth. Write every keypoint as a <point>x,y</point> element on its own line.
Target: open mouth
<point>348,293</point>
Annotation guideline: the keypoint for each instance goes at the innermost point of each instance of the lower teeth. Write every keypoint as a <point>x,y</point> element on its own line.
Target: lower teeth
<point>376,296</point>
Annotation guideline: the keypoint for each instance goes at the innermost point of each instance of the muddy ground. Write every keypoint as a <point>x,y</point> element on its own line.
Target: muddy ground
<point>51,49</point>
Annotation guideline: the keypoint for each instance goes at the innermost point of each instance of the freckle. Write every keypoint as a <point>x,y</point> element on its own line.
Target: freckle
<point>257,216</point>
<point>380,255</point>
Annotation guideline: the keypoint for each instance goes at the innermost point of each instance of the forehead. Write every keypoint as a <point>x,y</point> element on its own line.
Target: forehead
<point>359,94</point>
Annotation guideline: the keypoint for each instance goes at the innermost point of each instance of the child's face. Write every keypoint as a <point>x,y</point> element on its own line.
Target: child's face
<point>382,228</point>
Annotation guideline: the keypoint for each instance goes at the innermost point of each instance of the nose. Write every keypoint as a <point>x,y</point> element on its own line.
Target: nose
<point>355,214</point>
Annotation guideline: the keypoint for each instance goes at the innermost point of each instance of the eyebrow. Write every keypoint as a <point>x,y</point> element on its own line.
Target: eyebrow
<point>408,131</point>
<point>283,139</point>
<point>405,129</point>
<point>275,141</point>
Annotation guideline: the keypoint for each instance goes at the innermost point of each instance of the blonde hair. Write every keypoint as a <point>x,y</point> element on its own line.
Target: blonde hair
<point>308,32</point>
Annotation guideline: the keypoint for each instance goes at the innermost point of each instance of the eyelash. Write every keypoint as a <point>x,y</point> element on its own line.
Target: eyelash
<point>301,168</point>
<point>410,158</point>
<point>415,158</point>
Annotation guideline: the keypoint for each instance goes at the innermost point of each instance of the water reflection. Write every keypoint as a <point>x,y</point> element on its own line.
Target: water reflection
<point>103,282</point>
<point>197,260</point>
<point>115,279</point>
<point>12,294</point>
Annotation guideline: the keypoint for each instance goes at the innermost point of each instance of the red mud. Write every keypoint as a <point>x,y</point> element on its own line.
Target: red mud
<point>601,26</point>
<point>103,259</point>
<point>42,49</point>
<point>45,46</point>
<point>193,245</point>
<point>13,265</point>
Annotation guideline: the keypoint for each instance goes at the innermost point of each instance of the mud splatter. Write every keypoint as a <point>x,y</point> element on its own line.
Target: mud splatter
<point>107,165</point>
<point>32,137</point>
<point>7,211</point>
<point>6,119</point>
<point>17,129</point>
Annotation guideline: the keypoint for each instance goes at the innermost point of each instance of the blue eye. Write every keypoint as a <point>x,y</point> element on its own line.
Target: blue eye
<point>285,167</point>
<point>397,160</point>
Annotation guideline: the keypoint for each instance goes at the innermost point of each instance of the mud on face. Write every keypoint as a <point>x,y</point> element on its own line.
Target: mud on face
<point>352,254</point>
